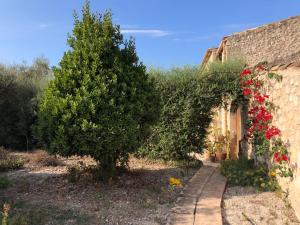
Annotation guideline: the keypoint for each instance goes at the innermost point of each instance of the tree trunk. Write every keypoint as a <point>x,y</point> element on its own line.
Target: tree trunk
<point>107,168</point>
<point>27,143</point>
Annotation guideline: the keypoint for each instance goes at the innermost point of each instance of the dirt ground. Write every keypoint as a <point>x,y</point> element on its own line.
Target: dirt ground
<point>247,206</point>
<point>45,194</point>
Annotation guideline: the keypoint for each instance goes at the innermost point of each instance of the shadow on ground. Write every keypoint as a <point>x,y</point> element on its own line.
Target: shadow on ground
<point>46,196</point>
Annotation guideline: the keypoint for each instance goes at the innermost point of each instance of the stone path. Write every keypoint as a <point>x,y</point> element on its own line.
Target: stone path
<point>200,201</point>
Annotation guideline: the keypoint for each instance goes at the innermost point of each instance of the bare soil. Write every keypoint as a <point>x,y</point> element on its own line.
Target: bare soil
<point>247,206</point>
<point>41,194</point>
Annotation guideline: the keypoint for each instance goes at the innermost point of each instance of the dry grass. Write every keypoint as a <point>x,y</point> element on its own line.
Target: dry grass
<point>42,158</point>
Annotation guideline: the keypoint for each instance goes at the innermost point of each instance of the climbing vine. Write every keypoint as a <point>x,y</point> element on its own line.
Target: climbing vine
<point>265,138</point>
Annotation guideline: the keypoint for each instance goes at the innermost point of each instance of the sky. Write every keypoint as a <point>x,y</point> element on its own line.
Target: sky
<point>167,32</point>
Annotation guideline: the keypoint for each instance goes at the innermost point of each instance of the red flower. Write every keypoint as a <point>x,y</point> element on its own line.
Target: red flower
<point>261,114</point>
<point>271,132</point>
<point>247,83</point>
<point>260,99</point>
<point>246,91</point>
<point>257,84</point>
<point>277,157</point>
<point>284,157</point>
<point>260,67</point>
<point>253,110</point>
<point>267,117</point>
<point>245,72</point>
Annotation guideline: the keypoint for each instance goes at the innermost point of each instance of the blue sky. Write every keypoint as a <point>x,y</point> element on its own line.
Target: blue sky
<point>167,32</point>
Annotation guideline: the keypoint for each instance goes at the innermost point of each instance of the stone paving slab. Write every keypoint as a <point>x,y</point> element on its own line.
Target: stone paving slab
<point>208,209</point>
<point>200,201</point>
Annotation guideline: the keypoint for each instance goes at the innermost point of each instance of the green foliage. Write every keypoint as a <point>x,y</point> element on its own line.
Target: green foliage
<point>101,101</point>
<point>189,163</point>
<point>4,182</point>
<point>24,213</point>
<point>243,172</point>
<point>20,86</point>
<point>188,96</point>
<point>261,144</point>
<point>9,162</point>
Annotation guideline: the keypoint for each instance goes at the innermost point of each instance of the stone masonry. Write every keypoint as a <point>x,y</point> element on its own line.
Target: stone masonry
<point>279,44</point>
<point>276,43</point>
<point>286,95</point>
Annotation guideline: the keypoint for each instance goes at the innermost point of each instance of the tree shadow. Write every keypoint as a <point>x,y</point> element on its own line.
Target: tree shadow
<point>138,192</point>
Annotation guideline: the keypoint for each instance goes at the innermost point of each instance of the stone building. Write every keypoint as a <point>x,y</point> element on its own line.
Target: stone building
<point>279,44</point>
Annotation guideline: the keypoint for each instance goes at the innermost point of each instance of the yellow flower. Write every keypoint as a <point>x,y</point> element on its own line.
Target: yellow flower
<point>272,174</point>
<point>175,182</point>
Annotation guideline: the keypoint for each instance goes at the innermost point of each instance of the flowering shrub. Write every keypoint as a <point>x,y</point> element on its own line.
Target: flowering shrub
<point>264,136</point>
<point>243,172</point>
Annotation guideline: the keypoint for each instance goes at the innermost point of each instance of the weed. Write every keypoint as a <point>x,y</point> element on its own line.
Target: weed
<point>23,213</point>
<point>4,182</point>
<point>5,213</point>
<point>9,161</point>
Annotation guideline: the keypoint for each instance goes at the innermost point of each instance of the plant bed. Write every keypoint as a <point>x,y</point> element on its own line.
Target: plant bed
<point>140,195</point>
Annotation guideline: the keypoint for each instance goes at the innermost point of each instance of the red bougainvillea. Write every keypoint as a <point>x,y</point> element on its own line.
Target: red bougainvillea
<point>260,116</point>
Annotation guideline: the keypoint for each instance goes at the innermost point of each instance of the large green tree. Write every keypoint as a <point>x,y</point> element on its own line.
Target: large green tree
<point>20,86</point>
<point>101,101</point>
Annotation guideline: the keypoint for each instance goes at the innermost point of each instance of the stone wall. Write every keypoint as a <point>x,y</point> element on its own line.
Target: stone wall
<point>286,95</point>
<point>277,43</point>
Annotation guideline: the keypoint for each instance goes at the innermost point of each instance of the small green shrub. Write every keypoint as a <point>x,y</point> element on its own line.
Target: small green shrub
<point>9,162</point>
<point>243,172</point>
<point>4,182</point>
<point>190,163</point>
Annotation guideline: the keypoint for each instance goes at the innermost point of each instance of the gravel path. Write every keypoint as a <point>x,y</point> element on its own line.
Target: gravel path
<point>246,206</point>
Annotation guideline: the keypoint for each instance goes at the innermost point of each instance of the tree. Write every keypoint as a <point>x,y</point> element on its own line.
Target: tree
<point>101,101</point>
<point>188,97</point>
<point>20,86</point>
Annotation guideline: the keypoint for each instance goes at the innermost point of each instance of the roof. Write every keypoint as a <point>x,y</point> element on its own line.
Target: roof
<point>219,49</point>
<point>264,26</point>
<point>207,55</point>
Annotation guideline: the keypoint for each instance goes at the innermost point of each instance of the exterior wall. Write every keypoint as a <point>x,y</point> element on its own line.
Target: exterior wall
<point>277,43</point>
<point>286,95</point>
